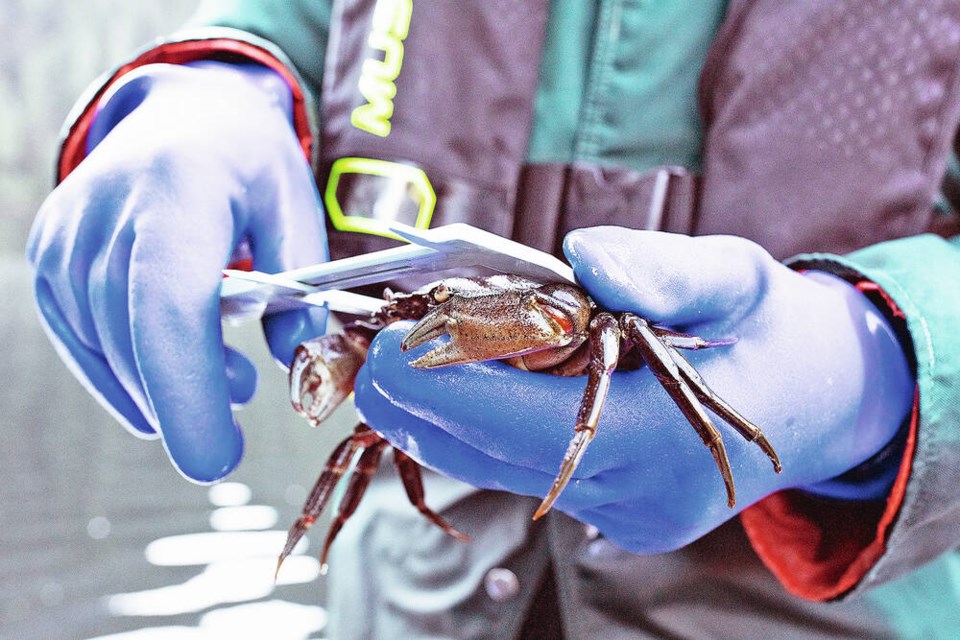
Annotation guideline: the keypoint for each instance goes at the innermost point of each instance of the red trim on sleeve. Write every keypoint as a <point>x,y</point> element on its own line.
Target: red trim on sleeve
<point>73,150</point>
<point>867,287</point>
<point>820,549</point>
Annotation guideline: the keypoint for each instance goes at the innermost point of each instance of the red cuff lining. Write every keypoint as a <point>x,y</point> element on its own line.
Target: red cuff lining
<point>73,150</point>
<point>867,287</point>
<point>821,549</point>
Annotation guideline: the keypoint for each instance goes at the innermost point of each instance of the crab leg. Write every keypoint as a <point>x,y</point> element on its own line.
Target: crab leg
<point>337,465</point>
<point>604,354</point>
<point>686,341</point>
<point>372,446</point>
<point>413,484</point>
<point>749,431</point>
<point>366,467</point>
<point>659,358</point>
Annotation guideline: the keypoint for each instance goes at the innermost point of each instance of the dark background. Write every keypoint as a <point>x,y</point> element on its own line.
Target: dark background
<point>99,535</point>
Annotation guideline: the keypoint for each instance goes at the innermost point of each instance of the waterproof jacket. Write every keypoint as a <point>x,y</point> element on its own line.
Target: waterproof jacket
<point>817,128</point>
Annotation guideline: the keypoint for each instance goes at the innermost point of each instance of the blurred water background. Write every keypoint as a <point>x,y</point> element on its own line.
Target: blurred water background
<point>99,536</point>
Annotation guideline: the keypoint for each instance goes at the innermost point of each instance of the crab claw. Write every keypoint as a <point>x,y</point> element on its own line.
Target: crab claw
<point>433,325</point>
<point>550,320</point>
<point>322,374</point>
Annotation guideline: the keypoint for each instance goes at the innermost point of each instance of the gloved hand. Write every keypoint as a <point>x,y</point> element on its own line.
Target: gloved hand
<point>815,366</point>
<point>185,163</point>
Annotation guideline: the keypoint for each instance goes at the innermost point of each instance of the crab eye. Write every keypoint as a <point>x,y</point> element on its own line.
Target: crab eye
<point>440,293</point>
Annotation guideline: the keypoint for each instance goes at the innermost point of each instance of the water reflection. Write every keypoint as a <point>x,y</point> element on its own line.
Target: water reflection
<point>229,494</point>
<point>239,560</point>
<point>215,546</point>
<point>222,582</point>
<point>250,517</point>
<point>256,620</point>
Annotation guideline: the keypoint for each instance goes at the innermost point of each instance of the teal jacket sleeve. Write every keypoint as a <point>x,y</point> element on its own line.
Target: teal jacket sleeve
<point>919,278</point>
<point>299,28</point>
<point>922,276</point>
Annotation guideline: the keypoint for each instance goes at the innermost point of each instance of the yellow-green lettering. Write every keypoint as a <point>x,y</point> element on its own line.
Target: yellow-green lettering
<point>389,28</point>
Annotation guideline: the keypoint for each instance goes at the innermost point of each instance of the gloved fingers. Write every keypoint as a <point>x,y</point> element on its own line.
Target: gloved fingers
<point>71,219</point>
<point>241,376</point>
<point>56,248</point>
<point>649,532</point>
<point>109,308</point>
<point>431,445</point>
<point>517,416</point>
<point>177,345</point>
<point>668,278</point>
<point>592,499</point>
<point>528,418</point>
<point>285,331</point>
<point>90,366</point>
<point>645,453</point>
<point>677,482</point>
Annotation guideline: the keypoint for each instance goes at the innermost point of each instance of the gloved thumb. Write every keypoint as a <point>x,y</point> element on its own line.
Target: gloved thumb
<point>666,277</point>
<point>241,376</point>
<point>285,331</point>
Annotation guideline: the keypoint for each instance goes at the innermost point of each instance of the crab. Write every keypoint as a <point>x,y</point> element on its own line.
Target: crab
<point>545,327</point>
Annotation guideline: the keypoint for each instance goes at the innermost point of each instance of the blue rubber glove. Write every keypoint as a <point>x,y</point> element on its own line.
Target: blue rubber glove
<point>185,164</point>
<point>815,366</point>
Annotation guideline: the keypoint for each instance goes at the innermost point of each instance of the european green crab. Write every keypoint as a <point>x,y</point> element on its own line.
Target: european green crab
<point>546,327</point>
